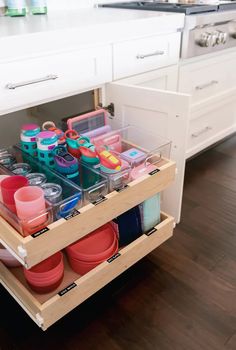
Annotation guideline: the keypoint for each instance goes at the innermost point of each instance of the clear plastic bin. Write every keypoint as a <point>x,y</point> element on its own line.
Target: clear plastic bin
<point>70,196</point>
<point>90,182</point>
<point>93,184</point>
<point>142,150</point>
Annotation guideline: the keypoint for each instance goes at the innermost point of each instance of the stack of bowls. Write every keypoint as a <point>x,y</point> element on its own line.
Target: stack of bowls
<point>8,259</point>
<point>47,275</point>
<point>92,250</point>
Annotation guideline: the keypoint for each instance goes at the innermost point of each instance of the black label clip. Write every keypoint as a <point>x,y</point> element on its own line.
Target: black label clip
<point>72,215</point>
<point>150,232</point>
<point>114,257</point>
<point>40,232</point>
<point>67,289</point>
<point>99,200</point>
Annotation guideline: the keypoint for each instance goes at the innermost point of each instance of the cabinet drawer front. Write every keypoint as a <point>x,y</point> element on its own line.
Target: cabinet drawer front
<point>207,78</point>
<point>210,128</point>
<point>141,55</point>
<point>26,83</point>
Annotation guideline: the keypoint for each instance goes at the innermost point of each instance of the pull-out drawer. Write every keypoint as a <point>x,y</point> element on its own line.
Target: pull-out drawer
<point>208,77</point>
<point>29,82</point>
<point>211,127</point>
<point>32,249</point>
<point>46,309</point>
<point>142,55</point>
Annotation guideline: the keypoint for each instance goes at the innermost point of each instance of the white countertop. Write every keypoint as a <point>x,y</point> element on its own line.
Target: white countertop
<point>60,30</point>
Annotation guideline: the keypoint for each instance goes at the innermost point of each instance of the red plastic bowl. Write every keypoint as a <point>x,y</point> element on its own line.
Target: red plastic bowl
<point>96,246</point>
<point>47,267</point>
<point>82,267</point>
<point>47,288</point>
<point>47,275</point>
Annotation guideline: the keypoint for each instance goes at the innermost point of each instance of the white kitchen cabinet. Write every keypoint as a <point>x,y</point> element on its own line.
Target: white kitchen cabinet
<point>210,126</point>
<point>141,55</point>
<point>33,81</point>
<point>207,77</point>
<point>26,83</point>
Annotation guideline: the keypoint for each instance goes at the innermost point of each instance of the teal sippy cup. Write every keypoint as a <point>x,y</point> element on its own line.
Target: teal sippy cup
<point>28,138</point>
<point>46,142</point>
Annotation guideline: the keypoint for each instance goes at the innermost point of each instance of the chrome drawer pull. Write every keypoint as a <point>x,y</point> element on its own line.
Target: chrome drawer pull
<point>204,86</point>
<point>156,53</point>
<point>29,82</point>
<point>202,131</point>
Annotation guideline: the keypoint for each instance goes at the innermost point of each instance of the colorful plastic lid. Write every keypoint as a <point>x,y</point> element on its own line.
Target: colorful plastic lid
<point>47,137</point>
<point>30,129</point>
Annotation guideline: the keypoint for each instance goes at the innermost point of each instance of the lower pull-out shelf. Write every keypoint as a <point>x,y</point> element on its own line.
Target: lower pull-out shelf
<point>46,309</point>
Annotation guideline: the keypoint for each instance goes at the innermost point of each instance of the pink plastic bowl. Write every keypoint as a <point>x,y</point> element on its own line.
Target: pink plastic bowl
<point>47,275</point>
<point>96,246</point>
<point>82,267</point>
<point>7,258</point>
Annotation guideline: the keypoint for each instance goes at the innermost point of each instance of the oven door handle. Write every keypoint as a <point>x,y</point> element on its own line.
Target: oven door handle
<point>204,86</point>
<point>156,53</point>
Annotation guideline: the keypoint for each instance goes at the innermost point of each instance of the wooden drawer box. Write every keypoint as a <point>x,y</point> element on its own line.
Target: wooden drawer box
<point>48,308</point>
<point>32,249</point>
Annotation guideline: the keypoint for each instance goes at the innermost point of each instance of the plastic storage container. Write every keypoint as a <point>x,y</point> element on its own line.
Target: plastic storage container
<point>69,199</point>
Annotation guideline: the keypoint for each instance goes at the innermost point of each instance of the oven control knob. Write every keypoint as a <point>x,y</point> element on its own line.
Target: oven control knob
<point>224,38</point>
<point>205,40</point>
<point>214,38</point>
<point>221,38</point>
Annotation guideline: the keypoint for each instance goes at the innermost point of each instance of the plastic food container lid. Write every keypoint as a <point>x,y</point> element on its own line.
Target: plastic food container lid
<point>36,179</point>
<point>20,169</point>
<point>52,192</point>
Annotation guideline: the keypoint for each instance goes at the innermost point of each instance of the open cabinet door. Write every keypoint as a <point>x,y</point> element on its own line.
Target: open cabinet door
<point>162,112</point>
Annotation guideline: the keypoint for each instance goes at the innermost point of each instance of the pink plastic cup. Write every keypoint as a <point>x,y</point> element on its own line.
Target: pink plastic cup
<point>2,177</point>
<point>9,186</point>
<point>30,206</point>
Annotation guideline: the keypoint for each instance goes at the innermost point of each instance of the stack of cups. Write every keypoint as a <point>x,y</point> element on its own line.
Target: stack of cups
<point>31,208</point>
<point>9,186</point>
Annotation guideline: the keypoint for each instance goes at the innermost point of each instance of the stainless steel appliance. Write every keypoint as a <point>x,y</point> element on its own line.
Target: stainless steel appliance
<point>209,26</point>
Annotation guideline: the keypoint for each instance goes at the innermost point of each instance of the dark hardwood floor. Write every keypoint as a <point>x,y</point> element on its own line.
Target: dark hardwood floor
<point>182,297</point>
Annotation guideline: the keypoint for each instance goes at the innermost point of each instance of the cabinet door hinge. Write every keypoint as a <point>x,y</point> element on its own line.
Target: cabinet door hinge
<point>109,108</point>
